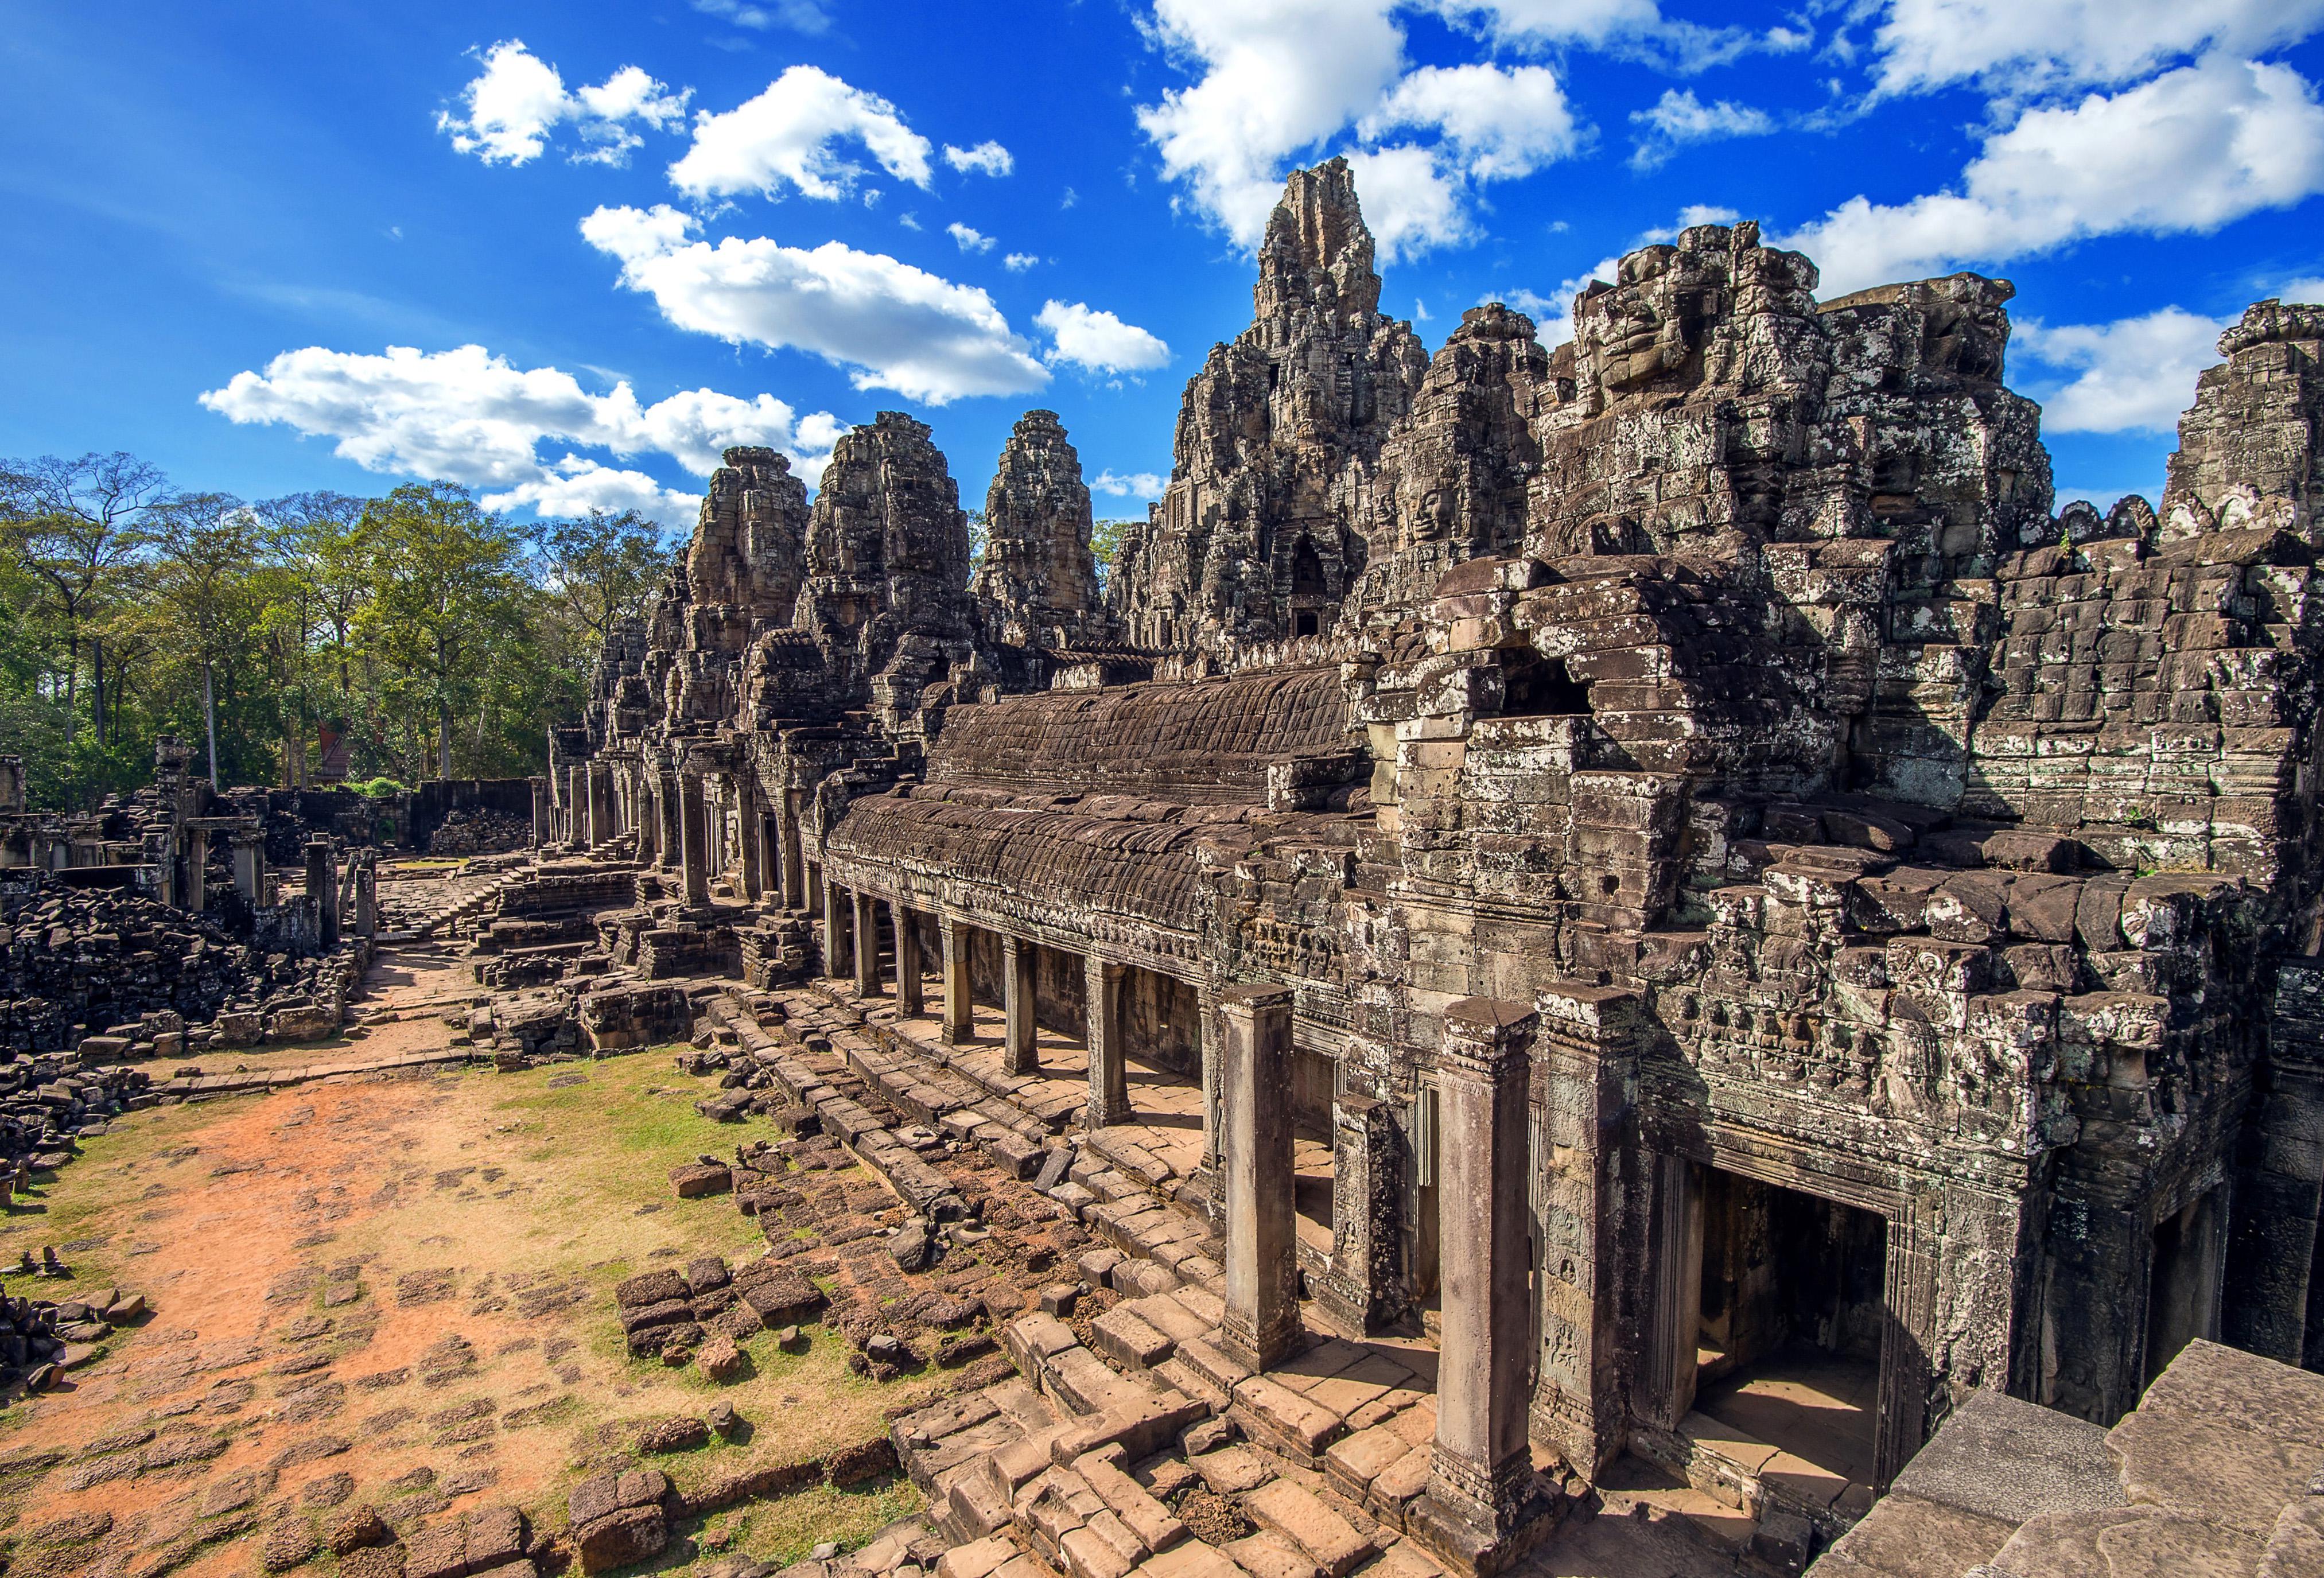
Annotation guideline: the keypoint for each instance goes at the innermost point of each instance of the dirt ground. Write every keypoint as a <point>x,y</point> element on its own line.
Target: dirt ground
<point>394,1289</point>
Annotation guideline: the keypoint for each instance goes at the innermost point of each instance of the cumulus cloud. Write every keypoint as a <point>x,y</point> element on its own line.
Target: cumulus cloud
<point>2024,44</point>
<point>467,416</point>
<point>1499,122</point>
<point>2136,374</point>
<point>1679,118</point>
<point>1276,78</point>
<point>890,325</point>
<point>1098,341</point>
<point>1017,263</point>
<point>786,140</point>
<point>1136,485</point>
<point>2188,151</point>
<point>987,158</point>
<point>967,238</point>
<point>518,99</point>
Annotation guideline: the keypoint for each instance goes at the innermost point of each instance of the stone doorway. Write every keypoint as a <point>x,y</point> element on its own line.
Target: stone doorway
<point>1789,1324</point>
<point>2182,1289</point>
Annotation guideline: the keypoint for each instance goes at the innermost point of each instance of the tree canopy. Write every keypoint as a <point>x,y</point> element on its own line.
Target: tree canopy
<point>432,636</point>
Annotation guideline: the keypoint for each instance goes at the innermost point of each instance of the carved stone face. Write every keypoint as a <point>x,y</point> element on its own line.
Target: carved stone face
<point>1640,329</point>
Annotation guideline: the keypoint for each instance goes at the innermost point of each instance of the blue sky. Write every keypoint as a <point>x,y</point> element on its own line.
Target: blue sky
<point>565,252</point>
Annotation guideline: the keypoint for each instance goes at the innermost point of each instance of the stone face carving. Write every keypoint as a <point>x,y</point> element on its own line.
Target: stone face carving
<point>1255,539</point>
<point>1037,586</point>
<point>887,561</point>
<point>748,547</point>
<point>2249,450</point>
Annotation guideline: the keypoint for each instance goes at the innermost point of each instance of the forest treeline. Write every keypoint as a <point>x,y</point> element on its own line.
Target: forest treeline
<point>435,638</point>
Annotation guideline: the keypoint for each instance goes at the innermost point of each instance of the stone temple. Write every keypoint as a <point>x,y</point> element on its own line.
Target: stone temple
<point>1651,866</point>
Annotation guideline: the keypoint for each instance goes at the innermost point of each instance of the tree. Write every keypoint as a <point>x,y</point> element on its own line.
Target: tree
<point>1106,544</point>
<point>75,524</point>
<point>444,593</point>
<point>603,568</point>
<point>208,562</point>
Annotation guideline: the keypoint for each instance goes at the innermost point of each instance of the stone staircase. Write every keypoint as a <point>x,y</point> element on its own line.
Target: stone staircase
<point>1072,1465</point>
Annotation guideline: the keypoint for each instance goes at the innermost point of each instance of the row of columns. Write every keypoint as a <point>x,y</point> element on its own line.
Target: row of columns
<point>851,946</point>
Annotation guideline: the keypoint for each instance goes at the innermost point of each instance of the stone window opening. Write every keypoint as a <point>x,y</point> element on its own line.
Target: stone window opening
<point>1304,622</point>
<point>1535,686</point>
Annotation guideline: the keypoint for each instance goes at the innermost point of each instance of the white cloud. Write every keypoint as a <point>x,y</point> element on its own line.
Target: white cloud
<point>1409,201</point>
<point>2309,291</point>
<point>2189,151</point>
<point>987,158</point>
<point>1017,263</point>
<point>1136,485</point>
<point>1277,77</point>
<point>1499,122</point>
<point>892,325</point>
<point>1100,341</point>
<point>518,99</point>
<point>1679,118</point>
<point>969,240</point>
<point>467,416</point>
<point>2137,374</point>
<point>806,17</point>
<point>785,139</point>
<point>2023,44</point>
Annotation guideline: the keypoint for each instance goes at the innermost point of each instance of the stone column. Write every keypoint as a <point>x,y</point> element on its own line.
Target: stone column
<point>959,1012</point>
<point>1484,1506</point>
<point>250,865</point>
<point>1364,1287</point>
<point>909,1003</point>
<point>1262,1324</point>
<point>794,857</point>
<point>576,797</point>
<point>754,845</point>
<point>834,929</point>
<point>1206,1069</point>
<point>694,840</point>
<point>1109,1067</point>
<point>601,803</point>
<point>1582,1053</point>
<point>323,890</point>
<point>366,916</point>
<point>543,813</point>
<point>196,894</point>
<point>673,823</point>
<point>867,945</point>
<point>1018,1052</point>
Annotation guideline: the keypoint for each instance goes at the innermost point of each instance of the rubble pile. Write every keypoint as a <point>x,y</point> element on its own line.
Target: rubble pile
<point>480,830</point>
<point>46,1103</point>
<point>42,1339</point>
<point>77,965</point>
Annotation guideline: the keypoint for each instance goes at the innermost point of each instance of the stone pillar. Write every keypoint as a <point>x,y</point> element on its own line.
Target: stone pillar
<point>794,857</point>
<point>1207,1069</point>
<point>195,892</point>
<point>1484,1506</point>
<point>601,803</point>
<point>909,1003</point>
<point>250,865</point>
<point>1262,1324</point>
<point>1018,1051</point>
<point>673,822</point>
<point>867,945</point>
<point>834,929</point>
<point>367,917</point>
<point>754,845</point>
<point>1364,1288</point>
<point>323,890</point>
<point>1582,1053</point>
<point>1109,1064</point>
<point>694,840</point>
<point>770,851</point>
<point>543,813</point>
<point>959,1012</point>
<point>576,794</point>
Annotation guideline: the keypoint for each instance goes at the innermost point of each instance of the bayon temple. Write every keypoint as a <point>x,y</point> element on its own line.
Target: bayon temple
<point>1640,865</point>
